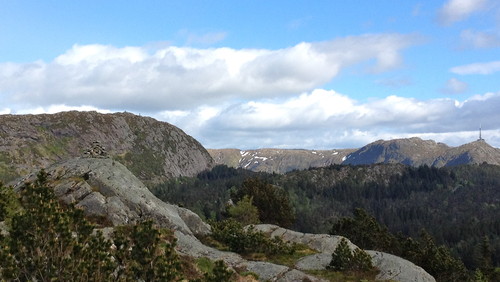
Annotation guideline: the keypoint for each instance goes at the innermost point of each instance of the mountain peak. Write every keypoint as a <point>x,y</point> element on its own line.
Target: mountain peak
<point>151,149</point>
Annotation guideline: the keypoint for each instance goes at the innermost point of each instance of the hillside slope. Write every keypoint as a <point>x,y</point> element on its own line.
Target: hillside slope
<point>152,150</point>
<point>278,160</point>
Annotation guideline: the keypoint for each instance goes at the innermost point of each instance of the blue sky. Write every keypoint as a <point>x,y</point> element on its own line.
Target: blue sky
<point>255,74</point>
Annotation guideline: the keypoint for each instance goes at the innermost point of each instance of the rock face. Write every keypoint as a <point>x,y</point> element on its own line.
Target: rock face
<point>106,189</point>
<point>278,160</point>
<point>154,151</point>
<point>410,151</point>
<point>395,268</point>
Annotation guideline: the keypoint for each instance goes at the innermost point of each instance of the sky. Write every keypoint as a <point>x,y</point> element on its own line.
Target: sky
<point>262,74</point>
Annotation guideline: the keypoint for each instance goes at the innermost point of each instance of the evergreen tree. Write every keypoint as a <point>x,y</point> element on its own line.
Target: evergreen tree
<point>244,211</point>
<point>271,201</point>
<point>49,242</point>
<point>343,259</point>
<point>144,253</point>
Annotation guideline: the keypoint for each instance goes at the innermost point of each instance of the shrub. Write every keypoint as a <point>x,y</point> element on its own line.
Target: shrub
<point>343,259</point>
<point>247,240</point>
<point>51,242</point>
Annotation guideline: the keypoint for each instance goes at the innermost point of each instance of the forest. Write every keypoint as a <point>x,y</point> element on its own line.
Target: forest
<point>458,207</point>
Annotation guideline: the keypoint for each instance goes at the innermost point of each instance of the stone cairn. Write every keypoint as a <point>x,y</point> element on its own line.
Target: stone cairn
<point>96,150</point>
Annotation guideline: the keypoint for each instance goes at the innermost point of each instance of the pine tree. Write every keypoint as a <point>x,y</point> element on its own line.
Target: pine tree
<point>341,257</point>
<point>49,242</point>
<point>244,211</point>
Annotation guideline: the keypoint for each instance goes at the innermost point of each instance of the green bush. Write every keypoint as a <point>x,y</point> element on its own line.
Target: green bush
<point>248,240</point>
<point>219,273</point>
<point>48,241</point>
<point>343,259</point>
<point>244,211</point>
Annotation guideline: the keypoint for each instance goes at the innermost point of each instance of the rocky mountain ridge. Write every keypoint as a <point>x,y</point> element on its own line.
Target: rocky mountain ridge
<point>278,160</point>
<point>152,150</point>
<point>408,151</point>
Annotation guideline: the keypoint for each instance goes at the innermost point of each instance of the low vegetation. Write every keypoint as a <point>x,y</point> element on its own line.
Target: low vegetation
<point>45,240</point>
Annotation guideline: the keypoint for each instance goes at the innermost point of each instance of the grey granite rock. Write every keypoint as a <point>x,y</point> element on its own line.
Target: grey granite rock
<point>395,268</point>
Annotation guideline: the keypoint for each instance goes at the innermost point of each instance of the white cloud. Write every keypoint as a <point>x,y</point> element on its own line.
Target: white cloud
<point>323,119</point>
<point>477,68</point>
<point>458,10</point>
<point>455,86</point>
<point>479,39</point>
<point>180,78</point>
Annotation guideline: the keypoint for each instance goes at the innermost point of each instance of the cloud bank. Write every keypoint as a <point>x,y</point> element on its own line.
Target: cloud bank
<point>458,10</point>
<point>175,78</point>
<point>323,119</point>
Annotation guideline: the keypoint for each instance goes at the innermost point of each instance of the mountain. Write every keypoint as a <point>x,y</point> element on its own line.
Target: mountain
<point>278,160</point>
<point>154,151</point>
<point>415,152</point>
<point>408,151</point>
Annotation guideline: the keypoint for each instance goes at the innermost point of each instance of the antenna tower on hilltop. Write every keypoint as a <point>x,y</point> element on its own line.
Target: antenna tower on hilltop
<point>480,137</point>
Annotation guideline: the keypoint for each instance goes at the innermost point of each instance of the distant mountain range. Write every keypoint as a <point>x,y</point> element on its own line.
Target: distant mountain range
<point>409,151</point>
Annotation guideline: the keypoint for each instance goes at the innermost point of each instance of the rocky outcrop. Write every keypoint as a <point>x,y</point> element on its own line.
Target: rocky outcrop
<point>154,151</point>
<point>398,269</point>
<point>322,243</point>
<point>391,267</point>
<point>108,191</point>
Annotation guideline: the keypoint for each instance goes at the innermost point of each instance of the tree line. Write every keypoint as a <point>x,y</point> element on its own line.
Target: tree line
<point>458,207</point>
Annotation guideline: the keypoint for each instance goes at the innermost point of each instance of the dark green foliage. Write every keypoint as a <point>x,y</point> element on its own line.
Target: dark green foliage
<point>247,240</point>
<point>367,233</point>
<point>206,194</point>
<point>51,242</point>
<point>220,273</point>
<point>9,203</point>
<point>343,259</point>
<point>458,206</point>
<point>146,254</point>
<point>272,201</point>
<point>244,211</point>
<point>437,260</point>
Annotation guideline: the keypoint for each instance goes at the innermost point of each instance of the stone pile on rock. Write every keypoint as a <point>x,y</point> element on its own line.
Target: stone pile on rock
<point>96,150</point>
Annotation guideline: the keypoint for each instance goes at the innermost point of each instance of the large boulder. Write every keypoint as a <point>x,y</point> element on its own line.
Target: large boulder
<point>395,268</point>
<point>107,190</point>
